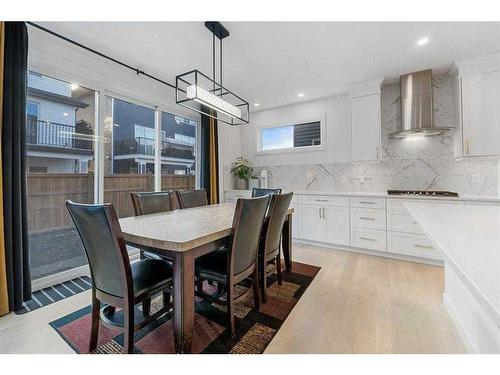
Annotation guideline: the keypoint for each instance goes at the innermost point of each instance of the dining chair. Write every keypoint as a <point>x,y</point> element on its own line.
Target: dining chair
<point>115,281</point>
<point>192,198</point>
<point>151,202</point>
<point>260,192</point>
<point>270,244</point>
<point>237,262</point>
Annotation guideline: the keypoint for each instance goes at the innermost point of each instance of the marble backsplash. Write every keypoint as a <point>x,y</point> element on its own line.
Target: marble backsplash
<point>420,164</point>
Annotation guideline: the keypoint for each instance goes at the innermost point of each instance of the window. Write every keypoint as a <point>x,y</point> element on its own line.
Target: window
<point>291,136</point>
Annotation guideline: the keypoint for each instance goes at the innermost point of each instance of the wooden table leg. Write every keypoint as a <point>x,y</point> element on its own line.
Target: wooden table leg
<point>287,242</point>
<point>183,301</point>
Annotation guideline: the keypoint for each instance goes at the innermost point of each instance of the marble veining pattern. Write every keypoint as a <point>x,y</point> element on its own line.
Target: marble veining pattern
<point>423,164</point>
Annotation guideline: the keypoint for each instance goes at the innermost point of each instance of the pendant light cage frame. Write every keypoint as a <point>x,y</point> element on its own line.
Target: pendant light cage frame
<point>198,92</point>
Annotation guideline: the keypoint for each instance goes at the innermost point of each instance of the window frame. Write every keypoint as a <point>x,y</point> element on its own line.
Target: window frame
<point>282,124</point>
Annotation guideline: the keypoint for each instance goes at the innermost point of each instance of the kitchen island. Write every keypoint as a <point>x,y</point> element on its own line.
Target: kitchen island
<point>469,237</point>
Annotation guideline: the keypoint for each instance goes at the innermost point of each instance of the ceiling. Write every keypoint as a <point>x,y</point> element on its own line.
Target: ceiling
<point>272,62</point>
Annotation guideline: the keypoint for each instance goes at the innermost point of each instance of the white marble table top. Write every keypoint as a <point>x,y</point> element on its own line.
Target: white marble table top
<point>180,230</point>
<point>469,236</point>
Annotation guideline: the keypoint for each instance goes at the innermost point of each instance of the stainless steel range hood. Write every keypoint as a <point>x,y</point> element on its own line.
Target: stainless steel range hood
<point>416,106</point>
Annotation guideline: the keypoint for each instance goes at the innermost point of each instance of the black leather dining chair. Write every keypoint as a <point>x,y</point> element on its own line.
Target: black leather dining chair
<point>192,198</point>
<point>260,192</point>
<point>151,202</point>
<point>270,245</point>
<point>234,264</point>
<point>115,281</point>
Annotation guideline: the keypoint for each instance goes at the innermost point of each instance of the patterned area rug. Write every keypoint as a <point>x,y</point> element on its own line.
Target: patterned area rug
<point>254,329</point>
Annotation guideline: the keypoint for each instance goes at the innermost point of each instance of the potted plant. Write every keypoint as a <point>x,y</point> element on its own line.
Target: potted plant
<point>243,172</point>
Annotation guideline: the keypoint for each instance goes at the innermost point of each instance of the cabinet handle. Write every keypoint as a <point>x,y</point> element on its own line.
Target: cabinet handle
<point>366,202</point>
<point>423,246</point>
<point>366,218</point>
<point>367,239</point>
<point>466,147</point>
<point>322,200</point>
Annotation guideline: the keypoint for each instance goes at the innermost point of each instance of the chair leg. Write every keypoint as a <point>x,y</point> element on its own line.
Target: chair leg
<point>199,285</point>
<point>166,300</point>
<point>128,328</point>
<point>220,289</point>
<point>256,291</point>
<point>278,269</point>
<point>263,280</point>
<point>94,333</point>
<point>146,307</point>
<point>230,309</point>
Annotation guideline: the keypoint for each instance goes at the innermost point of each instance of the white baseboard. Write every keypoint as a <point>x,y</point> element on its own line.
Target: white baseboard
<point>383,254</point>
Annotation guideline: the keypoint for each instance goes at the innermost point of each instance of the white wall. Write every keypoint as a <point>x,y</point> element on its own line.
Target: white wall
<point>333,110</point>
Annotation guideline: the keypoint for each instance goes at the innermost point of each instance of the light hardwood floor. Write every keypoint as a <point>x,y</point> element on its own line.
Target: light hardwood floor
<point>356,304</point>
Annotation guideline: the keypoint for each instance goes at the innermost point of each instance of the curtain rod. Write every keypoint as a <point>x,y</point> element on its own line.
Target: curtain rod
<point>137,70</point>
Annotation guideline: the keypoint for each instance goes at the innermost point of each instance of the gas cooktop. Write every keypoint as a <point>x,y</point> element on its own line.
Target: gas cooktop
<point>423,193</point>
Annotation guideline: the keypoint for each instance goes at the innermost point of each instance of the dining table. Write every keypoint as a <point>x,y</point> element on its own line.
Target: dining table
<point>182,236</point>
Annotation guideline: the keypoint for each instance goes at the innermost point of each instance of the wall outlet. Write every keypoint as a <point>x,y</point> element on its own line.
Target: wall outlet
<point>361,179</point>
<point>476,178</point>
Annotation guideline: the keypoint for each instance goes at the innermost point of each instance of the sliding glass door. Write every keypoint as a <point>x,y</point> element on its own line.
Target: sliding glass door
<point>60,164</point>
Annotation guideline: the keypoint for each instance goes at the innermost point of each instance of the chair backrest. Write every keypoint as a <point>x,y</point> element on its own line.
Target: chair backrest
<point>192,198</point>
<point>278,209</point>
<point>151,202</point>
<point>247,226</point>
<point>104,246</point>
<point>260,192</point>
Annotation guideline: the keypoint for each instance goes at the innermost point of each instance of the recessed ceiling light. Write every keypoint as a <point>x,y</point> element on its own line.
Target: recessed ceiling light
<point>256,104</point>
<point>301,95</point>
<point>74,86</point>
<point>422,41</point>
<point>65,114</point>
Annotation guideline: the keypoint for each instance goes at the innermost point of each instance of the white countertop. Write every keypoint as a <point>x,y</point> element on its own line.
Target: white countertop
<point>469,198</point>
<point>469,236</point>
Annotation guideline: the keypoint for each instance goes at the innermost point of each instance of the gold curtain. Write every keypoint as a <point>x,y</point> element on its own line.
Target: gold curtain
<point>214,180</point>
<point>4,297</point>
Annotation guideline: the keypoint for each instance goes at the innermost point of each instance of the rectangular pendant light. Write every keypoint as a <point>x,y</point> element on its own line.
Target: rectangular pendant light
<point>220,105</point>
<point>200,93</point>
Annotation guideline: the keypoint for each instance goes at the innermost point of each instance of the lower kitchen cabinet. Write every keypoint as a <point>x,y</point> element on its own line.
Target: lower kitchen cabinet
<point>311,223</point>
<point>373,239</point>
<point>337,225</point>
<point>325,224</point>
<point>417,245</point>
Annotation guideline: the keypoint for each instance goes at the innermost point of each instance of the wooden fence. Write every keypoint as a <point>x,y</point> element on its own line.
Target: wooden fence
<point>48,192</point>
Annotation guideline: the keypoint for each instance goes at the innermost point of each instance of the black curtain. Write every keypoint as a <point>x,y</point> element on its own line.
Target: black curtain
<point>209,167</point>
<point>14,164</point>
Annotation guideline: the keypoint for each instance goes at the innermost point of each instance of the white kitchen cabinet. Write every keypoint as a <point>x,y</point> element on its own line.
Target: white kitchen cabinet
<point>337,225</point>
<point>480,114</point>
<point>325,223</point>
<point>311,223</point>
<point>372,239</point>
<point>365,128</point>
<point>417,245</point>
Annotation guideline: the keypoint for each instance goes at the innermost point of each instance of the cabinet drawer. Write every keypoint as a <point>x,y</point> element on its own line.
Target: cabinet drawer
<point>402,222</point>
<point>368,239</point>
<point>371,218</point>
<point>368,202</point>
<point>412,244</point>
<point>325,200</point>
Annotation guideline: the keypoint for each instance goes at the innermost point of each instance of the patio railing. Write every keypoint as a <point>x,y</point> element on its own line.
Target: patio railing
<point>53,134</point>
<point>146,146</point>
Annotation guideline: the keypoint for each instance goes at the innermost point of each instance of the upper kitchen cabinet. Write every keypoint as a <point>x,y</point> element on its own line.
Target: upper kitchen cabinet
<point>479,131</point>
<point>365,120</point>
